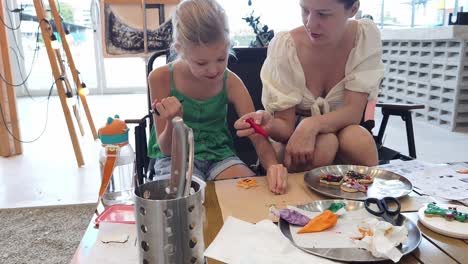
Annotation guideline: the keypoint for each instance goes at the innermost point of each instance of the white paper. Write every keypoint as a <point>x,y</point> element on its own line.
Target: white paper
<point>444,182</point>
<point>118,253</point>
<point>385,239</point>
<point>240,242</point>
<point>435,180</point>
<point>338,236</point>
<point>408,169</point>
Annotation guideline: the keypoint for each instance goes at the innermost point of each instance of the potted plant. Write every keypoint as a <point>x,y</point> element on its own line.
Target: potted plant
<point>263,34</point>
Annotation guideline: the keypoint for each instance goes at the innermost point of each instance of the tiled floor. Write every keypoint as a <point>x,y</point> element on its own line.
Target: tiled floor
<point>47,173</point>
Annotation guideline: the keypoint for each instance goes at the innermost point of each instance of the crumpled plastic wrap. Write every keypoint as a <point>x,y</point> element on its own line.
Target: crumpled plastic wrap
<point>381,238</point>
<point>291,216</point>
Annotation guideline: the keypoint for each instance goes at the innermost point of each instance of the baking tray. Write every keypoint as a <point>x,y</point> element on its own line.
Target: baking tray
<point>386,183</point>
<point>350,254</point>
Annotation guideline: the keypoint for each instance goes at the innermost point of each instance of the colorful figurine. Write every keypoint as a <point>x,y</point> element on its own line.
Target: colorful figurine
<point>449,214</point>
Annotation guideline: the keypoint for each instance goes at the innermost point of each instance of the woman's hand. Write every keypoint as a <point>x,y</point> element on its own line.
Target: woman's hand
<point>168,108</point>
<point>301,146</point>
<point>260,117</point>
<point>277,178</point>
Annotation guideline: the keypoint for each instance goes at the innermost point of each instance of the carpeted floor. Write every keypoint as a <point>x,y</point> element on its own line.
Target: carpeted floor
<point>42,235</point>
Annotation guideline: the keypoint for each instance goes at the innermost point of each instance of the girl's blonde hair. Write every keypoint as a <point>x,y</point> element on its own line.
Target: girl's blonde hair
<point>199,22</point>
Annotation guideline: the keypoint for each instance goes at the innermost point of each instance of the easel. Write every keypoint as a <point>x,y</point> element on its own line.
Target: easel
<point>59,73</point>
<point>69,89</point>
<point>71,62</point>
<point>8,144</point>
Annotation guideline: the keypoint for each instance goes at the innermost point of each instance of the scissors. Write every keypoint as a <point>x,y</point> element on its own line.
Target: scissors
<point>384,209</point>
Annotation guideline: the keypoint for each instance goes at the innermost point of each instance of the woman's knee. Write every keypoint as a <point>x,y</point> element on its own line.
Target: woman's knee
<point>357,146</point>
<point>326,147</point>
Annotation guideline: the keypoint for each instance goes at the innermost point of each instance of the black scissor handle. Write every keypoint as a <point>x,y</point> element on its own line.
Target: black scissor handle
<point>386,204</point>
<point>369,201</point>
<point>155,111</point>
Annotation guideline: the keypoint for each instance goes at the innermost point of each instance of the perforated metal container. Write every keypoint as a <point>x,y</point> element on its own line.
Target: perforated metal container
<point>170,230</point>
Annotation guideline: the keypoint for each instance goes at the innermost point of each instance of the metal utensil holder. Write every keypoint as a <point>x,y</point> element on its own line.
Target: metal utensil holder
<point>169,230</point>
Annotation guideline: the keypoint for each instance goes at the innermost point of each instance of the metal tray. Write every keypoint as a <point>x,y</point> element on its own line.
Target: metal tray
<point>350,254</point>
<point>386,183</point>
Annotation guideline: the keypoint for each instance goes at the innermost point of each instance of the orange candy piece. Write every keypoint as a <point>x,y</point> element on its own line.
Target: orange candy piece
<point>321,222</point>
<point>247,183</point>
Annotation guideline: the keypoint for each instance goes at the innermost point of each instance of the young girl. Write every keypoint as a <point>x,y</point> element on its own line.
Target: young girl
<point>198,87</point>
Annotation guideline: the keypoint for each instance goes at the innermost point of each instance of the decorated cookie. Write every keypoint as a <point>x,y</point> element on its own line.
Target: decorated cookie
<point>353,186</point>
<point>331,179</point>
<point>247,183</point>
<point>449,214</point>
<point>359,177</point>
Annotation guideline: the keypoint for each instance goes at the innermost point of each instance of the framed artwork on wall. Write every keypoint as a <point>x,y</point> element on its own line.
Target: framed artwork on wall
<point>136,28</point>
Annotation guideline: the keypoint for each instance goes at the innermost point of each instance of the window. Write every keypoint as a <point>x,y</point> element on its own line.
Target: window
<point>77,16</point>
<point>125,75</point>
<point>277,15</point>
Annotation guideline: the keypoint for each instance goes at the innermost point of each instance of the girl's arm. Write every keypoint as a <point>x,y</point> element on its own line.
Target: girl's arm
<point>168,107</point>
<point>240,98</point>
<point>279,128</point>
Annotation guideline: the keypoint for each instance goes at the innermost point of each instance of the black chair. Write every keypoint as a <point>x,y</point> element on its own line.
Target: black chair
<point>247,64</point>
<point>403,111</point>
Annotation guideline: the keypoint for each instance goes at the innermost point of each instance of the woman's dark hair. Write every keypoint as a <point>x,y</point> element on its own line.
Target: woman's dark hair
<point>348,3</point>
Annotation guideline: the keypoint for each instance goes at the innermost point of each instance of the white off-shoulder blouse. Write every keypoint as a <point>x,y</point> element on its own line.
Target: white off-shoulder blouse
<point>284,84</point>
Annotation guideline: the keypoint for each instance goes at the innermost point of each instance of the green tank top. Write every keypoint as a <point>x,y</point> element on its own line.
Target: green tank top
<point>208,120</point>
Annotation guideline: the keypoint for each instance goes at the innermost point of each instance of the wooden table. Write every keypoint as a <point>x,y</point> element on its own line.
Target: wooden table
<point>434,248</point>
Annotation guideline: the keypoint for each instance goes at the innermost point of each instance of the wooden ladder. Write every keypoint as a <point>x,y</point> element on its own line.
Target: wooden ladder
<point>60,74</point>
<point>9,128</point>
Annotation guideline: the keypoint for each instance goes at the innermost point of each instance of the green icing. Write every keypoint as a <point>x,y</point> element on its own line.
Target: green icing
<point>334,207</point>
<point>448,214</point>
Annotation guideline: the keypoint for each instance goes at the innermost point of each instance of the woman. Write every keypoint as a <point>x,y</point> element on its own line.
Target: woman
<point>317,80</point>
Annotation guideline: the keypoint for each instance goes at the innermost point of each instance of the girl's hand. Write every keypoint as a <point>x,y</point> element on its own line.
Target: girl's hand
<point>168,108</point>
<point>277,178</point>
<point>260,117</point>
<point>301,146</point>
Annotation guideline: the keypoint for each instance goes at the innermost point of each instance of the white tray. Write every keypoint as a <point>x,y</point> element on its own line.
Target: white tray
<point>448,228</point>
